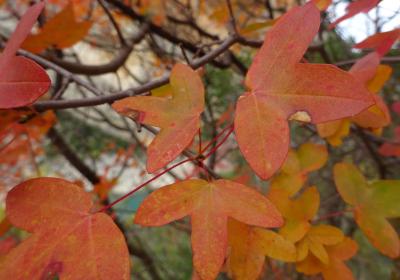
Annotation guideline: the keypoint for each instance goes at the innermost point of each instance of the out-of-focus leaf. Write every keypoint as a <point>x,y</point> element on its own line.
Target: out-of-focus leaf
<point>335,268</point>
<point>315,241</point>
<point>354,8</point>
<point>61,31</point>
<point>368,71</point>
<point>380,42</point>
<point>373,204</point>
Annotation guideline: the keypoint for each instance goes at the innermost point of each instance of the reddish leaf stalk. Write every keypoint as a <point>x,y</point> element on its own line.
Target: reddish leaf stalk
<point>2,148</point>
<point>333,214</point>
<point>230,127</point>
<point>200,158</point>
<point>200,141</point>
<point>33,154</point>
<point>220,143</point>
<point>105,208</point>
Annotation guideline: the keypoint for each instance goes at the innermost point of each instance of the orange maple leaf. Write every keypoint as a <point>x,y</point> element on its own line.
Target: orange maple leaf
<point>209,204</point>
<point>368,71</point>
<point>61,31</point>
<point>281,88</point>
<point>67,240</point>
<point>178,117</point>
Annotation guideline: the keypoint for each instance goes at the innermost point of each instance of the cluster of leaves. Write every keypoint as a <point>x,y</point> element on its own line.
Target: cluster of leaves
<point>72,237</point>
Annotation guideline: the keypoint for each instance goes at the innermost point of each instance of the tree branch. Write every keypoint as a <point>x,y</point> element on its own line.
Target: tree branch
<point>102,98</point>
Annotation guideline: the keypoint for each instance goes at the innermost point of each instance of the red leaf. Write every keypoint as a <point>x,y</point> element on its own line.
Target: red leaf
<point>22,81</point>
<point>354,8</point>
<point>282,88</point>
<point>21,32</point>
<point>6,245</point>
<point>391,149</point>
<point>396,107</point>
<point>380,42</point>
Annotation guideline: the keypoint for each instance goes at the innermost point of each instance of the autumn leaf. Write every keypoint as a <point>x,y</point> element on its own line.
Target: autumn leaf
<point>322,5</point>
<point>5,226</point>
<point>373,204</point>
<point>6,245</point>
<point>368,71</point>
<point>67,239</point>
<point>81,7</point>
<point>18,139</point>
<point>281,88</point>
<point>336,268</point>
<point>380,42</point>
<point>307,158</point>
<point>8,117</point>
<point>177,117</point>
<point>156,9</point>
<point>396,107</point>
<point>40,124</point>
<point>61,31</point>
<point>297,212</point>
<point>103,187</point>
<point>163,91</point>
<point>334,131</point>
<point>311,156</point>
<point>354,8</point>
<point>22,81</point>
<point>392,149</point>
<point>257,26</point>
<point>316,239</point>
<point>209,204</point>
<point>376,116</point>
<point>248,247</point>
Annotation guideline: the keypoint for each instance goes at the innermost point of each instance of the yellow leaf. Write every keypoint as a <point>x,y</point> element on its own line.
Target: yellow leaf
<point>315,241</point>
<point>336,268</point>
<point>163,91</point>
<point>297,212</point>
<point>248,247</point>
<point>312,156</point>
<point>257,26</point>
<point>322,5</point>
<point>308,157</point>
<point>334,131</point>
<point>383,73</point>
<point>373,204</point>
